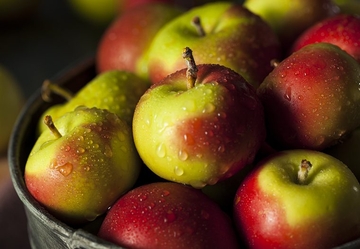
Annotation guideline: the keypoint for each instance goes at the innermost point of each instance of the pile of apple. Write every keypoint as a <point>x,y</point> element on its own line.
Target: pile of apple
<point>210,127</point>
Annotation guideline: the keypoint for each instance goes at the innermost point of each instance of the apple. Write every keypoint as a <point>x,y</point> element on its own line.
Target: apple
<point>347,150</point>
<point>199,125</point>
<point>348,6</point>
<point>219,33</point>
<point>290,18</point>
<point>298,199</point>
<point>341,30</point>
<point>311,98</point>
<point>117,91</point>
<point>11,102</point>
<point>82,164</point>
<point>98,13</point>
<point>167,215</point>
<point>125,43</point>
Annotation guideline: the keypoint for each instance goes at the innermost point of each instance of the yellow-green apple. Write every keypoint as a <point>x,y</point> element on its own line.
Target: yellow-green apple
<point>125,43</point>
<point>11,102</point>
<point>116,90</point>
<point>312,98</point>
<point>347,151</point>
<point>289,18</point>
<point>219,33</point>
<point>341,30</point>
<point>199,125</point>
<point>298,199</point>
<point>99,13</point>
<point>82,164</point>
<point>167,215</point>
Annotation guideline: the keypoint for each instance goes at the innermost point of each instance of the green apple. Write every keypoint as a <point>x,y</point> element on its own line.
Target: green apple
<point>289,18</point>
<point>82,164</point>
<point>298,199</point>
<point>199,125</point>
<point>11,102</point>
<point>116,90</point>
<point>223,33</point>
<point>96,12</point>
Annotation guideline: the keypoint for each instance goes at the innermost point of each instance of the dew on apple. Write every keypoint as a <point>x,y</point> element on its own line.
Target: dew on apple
<point>108,151</point>
<point>287,94</point>
<point>80,150</point>
<point>161,150</point>
<point>65,169</point>
<point>183,155</point>
<point>209,108</point>
<point>178,171</point>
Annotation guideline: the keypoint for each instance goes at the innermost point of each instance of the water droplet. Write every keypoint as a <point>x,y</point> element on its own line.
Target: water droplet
<point>80,150</point>
<point>165,193</point>
<point>65,169</point>
<point>53,163</point>
<point>169,217</point>
<point>205,215</point>
<point>87,168</point>
<point>300,97</point>
<point>287,94</point>
<point>209,108</point>
<point>189,105</point>
<point>80,138</point>
<point>161,150</point>
<point>178,171</point>
<point>183,155</point>
<point>108,152</point>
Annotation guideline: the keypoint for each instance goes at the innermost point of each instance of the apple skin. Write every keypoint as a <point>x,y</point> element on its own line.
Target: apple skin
<point>290,18</point>
<point>272,210</point>
<point>167,215</point>
<point>200,135</point>
<point>341,30</point>
<point>115,90</point>
<point>311,99</point>
<point>78,176</point>
<point>234,37</point>
<point>125,43</point>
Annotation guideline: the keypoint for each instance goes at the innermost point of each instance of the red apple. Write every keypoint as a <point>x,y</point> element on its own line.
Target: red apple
<point>312,98</point>
<point>167,215</point>
<point>340,30</point>
<point>125,43</point>
<point>298,199</point>
<point>199,129</point>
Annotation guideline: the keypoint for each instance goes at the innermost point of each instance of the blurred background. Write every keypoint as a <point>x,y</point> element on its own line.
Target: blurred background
<point>46,38</point>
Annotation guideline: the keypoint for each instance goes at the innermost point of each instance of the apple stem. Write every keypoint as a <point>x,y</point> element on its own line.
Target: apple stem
<point>303,172</point>
<point>48,87</point>
<point>49,123</point>
<point>199,28</point>
<point>191,72</point>
<point>274,63</point>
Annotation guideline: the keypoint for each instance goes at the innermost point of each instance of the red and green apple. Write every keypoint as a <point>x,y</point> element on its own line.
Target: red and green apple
<point>298,199</point>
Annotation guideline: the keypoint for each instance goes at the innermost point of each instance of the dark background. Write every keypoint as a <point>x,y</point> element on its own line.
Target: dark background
<point>54,38</point>
<point>51,40</point>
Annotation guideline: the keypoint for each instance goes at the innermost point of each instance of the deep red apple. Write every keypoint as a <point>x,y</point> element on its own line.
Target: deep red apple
<point>312,98</point>
<point>125,43</point>
<point>340,30</point>
<point>168,215</point>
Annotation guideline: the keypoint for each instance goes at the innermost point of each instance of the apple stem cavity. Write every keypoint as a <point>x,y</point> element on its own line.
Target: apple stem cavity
<point>48,87</point>
<point>49,123</point>
<point>197,24</point>
<point>303,172</point>
<point>191,72</point>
